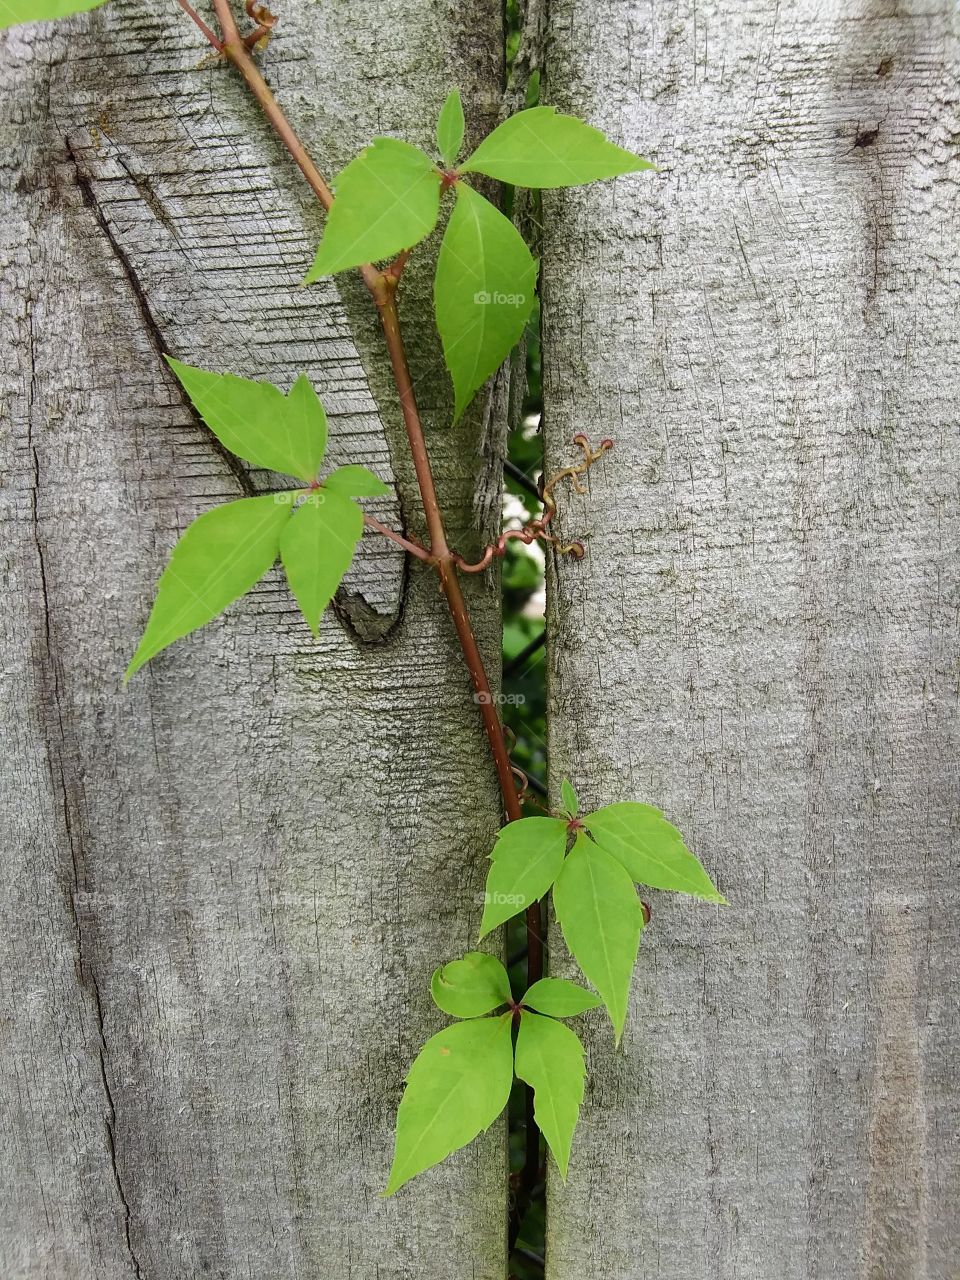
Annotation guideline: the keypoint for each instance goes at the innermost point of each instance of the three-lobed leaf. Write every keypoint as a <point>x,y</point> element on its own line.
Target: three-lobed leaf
<point>387,199</point>
<point>16,11</point>
<point>472,986</point>
<point>457,1086</point>
<point>257,422</point>
<point>222,554</point>
<point>601,919</point>
<point>541,148</point>
<point>483,292</point>
<point>525,862</point>
<point>549,1057</point>
<point>650,849</point>
<point>559,998</point>
<point>450,128</point>
<point>316,548</point>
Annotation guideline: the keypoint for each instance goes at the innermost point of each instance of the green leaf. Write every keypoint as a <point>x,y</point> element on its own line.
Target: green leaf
<point>458,1085</point>
<point>317,547</point>
<point>568,798</point>
<point>601,918</point>
<point>387,199</point>
<point>450,128</point>
<point>219,558</point>
<point>483,292</point>
<point>14,11</point>
<point>549,1057</point>
<point>472,986</point>
<point>652,850</point>
<point>256,421</point>
<point>526,860</point>
<point>354,481</point>
<point>560,998</point>
<point>539,148</point>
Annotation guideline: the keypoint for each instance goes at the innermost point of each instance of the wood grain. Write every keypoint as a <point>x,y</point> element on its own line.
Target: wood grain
<point>225,888</point>
<point>763,637</point>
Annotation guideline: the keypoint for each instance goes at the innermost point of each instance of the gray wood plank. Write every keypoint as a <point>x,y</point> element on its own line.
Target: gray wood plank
<point>225,888</point>
<point>763,638</point>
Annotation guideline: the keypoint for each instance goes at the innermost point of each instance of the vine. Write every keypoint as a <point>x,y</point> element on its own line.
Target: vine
<point>387,201</point>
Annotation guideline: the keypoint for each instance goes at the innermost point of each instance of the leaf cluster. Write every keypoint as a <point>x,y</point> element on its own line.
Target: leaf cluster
<point>388,200</point>
<point>226,551</point>
<point>460,1081</point>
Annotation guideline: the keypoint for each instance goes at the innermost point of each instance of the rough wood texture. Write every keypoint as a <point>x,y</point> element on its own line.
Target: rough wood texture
<point>763,639</point>
<point>224,889</point>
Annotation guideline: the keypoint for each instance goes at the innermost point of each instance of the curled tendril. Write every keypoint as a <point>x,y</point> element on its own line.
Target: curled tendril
<point>536,530</point>
<point>265,20</point>
<point>522,779</point>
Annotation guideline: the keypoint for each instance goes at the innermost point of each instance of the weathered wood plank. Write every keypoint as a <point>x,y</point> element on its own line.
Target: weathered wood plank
<point>763,638</point>
<point>224,890</point>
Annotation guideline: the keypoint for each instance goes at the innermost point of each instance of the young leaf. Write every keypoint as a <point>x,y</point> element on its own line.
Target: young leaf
<point>387,199</point>
<point>526,860</point>
<point>317,547</point>
<point>354,481</point>
<point>560,998</point>
<point>549,1057</point>
<point>219,558</point>
<point>601,918</point>
<point>458,1085</point>
<point>652,850</point>
<point>483,292</point>
<point>257,422</point>
<point>539,148</point>
<point>305,424</point>
<point>14,11</point>
<point>450,128</point>
<point>472,986</point>
<point>568,798</point>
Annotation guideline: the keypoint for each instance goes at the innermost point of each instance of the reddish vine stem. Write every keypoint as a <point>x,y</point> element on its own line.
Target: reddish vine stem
<point>382,286</point>
<point>191,13</point>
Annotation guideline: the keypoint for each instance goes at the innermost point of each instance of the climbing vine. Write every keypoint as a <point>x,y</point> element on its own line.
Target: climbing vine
<point>383,204</point>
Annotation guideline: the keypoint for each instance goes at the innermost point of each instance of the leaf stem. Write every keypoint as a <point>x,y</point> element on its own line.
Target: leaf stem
<point>408,544</point>
<point>383,287</point>
<point>390,321</point>
<point>191,13</point>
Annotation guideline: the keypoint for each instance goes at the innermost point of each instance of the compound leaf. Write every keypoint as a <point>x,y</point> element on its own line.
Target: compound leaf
<point>355,481</point>
<point>549,1057</point>
<point>387,199</point>
<point>651,850</point>
<point>472,986</point>
<point>256,421</point>
<point>317,547</point>
<point>601,919</point>
<point>568,798</point>
<point>560,998</point>
<point>458,1085</point>
<point>219,558</point>
<point>14,11</point>
<point>526,860</point>
<point>483,292</point>
<point>541,148</point>
<point>450,128</point>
